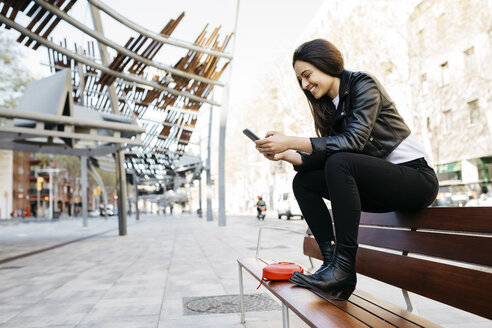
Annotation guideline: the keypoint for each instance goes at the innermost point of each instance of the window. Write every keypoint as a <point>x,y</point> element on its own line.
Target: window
<point>469,59</point>
<point>447,120</point>
<point>420,38</point>
<point>444,73</point>
<point>21,170</point>
<point>424,83</point>
<point>474,111</point>
<point>20,187</point>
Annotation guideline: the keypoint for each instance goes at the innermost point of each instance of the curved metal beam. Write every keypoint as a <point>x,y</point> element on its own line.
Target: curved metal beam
<point>91,63</point>
<point>60,119</point>
<point>128,23</point>
<point>121,49</point>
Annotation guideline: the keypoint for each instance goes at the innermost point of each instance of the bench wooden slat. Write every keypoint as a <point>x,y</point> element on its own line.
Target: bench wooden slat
<point>310,248</point>
<point>472,249</point>
<point>313,309</point>
<point>322,311</point>
<point>466,219</point>
<point>466,289</point>
<point>364,299</point>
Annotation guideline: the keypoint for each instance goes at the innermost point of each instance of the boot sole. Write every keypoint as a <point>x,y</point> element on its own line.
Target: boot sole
<point>340,293</point>
<point>299,283</point>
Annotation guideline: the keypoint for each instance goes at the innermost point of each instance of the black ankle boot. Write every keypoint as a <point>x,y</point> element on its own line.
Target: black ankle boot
<point>339,277</point>
<point>327,250</point>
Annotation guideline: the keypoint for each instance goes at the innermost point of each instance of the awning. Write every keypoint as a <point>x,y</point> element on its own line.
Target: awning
<point>449,167</point>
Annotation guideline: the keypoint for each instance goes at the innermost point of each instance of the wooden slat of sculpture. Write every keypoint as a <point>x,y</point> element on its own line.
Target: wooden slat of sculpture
<point>52,25</point>
<point>192,63</point>
<point>121,61</point>
<point>155,46</point>
<point>16,7</point>
<point>41,18</point>
<point>32,10</point>
<point>40,12</point>
<point>185,136</point>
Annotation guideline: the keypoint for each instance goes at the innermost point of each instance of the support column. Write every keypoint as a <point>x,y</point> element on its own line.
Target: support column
<point>38,208</point>
<point>135,184</point>
<point>83,170</point>
<point>119,155</point>
<point>50,214</point>
<point>222,131</point>
<point>96,18</point>
<point>210,215</point>
<point>122,194</point>
<point>200,197</point>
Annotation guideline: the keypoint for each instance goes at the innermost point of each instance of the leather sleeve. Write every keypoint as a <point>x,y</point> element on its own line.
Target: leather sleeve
<point>365,98</point>
<point>310,162</point>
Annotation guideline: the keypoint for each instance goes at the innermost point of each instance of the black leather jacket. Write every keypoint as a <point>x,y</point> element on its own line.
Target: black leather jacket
<point>366,121</point>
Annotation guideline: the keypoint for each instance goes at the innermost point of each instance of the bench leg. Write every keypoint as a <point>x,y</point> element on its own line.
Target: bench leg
<point>241,293</point>
<point>408,301</point>
<point>285,316</point>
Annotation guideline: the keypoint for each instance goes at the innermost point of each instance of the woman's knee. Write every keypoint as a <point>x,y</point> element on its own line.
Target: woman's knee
<point>298,182</point>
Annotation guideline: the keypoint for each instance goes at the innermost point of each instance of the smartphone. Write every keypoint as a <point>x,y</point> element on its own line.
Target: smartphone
<point>250,134</point>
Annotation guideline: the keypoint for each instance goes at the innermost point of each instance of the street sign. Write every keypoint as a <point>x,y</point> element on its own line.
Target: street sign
<point>39,183</point>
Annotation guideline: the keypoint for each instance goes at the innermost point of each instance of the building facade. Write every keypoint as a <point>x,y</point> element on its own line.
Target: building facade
<point>30,187</point>
<point>6,180</point>
<point>450,48</point>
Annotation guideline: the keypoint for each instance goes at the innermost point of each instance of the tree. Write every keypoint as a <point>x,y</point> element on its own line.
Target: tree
<point>13,73</point>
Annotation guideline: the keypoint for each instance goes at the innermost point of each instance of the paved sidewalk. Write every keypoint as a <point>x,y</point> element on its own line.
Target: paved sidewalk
<point>154,276</point>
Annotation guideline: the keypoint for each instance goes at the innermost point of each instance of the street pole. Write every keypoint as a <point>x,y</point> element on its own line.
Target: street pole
<point>122,194</point>
<point>200,214</point>
<point>37,194</point>
<point>50,214</point>
<point>137,215</point>
<point>83,162</point>
<point>200,197</point>
<point>210,215</point>
<point>222,130</point>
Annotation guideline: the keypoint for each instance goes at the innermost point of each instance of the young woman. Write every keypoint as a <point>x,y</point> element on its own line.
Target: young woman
<point>363,159</point>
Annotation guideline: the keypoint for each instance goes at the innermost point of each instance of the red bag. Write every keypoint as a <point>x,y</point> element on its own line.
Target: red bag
<point>279,271</point>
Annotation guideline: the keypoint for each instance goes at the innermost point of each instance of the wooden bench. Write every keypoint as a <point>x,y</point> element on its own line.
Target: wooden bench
<point>444,254</point>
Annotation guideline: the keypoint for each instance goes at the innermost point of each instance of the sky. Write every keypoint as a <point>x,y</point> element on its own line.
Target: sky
<point>265,28</point>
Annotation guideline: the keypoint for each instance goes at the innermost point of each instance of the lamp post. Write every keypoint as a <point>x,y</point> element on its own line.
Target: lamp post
<point>50,172</point>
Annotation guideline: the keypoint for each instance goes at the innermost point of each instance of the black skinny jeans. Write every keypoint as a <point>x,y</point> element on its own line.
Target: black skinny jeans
<point>356,182</point>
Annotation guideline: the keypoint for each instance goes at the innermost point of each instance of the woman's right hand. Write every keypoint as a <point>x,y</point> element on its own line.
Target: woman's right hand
<point>275,157</point>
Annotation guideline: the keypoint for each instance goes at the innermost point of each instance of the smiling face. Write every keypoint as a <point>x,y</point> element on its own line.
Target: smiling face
<point>315,81</point>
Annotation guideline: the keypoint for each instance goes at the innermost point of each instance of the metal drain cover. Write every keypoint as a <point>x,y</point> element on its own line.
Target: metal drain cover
<point>228,304</point>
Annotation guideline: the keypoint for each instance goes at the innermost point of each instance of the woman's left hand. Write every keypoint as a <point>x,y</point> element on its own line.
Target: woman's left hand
<point>274,143</point>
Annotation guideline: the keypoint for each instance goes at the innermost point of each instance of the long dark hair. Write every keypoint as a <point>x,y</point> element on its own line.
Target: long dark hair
<point>323,55</point>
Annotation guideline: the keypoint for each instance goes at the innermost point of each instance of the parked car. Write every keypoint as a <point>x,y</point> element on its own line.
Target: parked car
<point>94,213</point>
<point>109,210</point>
<point>287,206</point>
<point>484,199</point>
<point>454,195</point>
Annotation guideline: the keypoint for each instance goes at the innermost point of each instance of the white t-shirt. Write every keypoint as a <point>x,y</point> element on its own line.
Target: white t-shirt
<point>407,151</point>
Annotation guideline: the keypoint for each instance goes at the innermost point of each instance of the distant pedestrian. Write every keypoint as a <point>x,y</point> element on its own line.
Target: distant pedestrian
<point>363,158</point>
